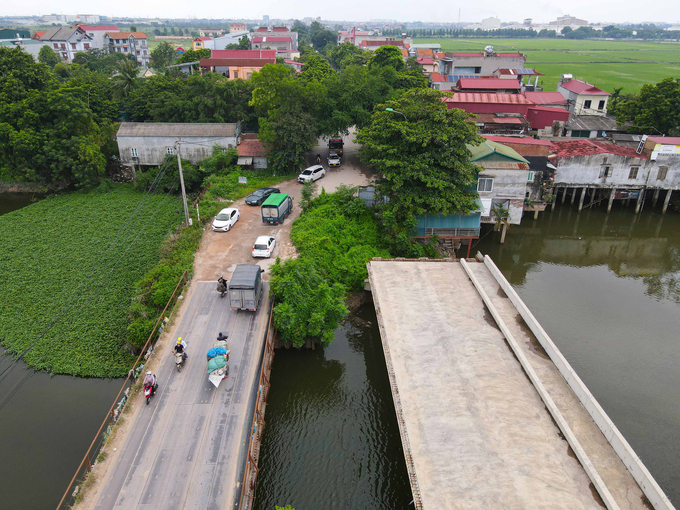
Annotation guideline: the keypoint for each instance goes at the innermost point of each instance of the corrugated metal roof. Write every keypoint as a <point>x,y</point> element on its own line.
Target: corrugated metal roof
<point>178,130</point>
<point>524,140</point>
<point>236,62</point>
<point>546,98</point>
<point>582,87</point>
<point>574,148</point>
<point>243,54</point>
<point>489,83</point>
<point>487,148</point>
<point>270,39</point>
<point>251,148</point>
<point>665,140</point>
<point>595,123</point>
<point>485,97</point>
<point>61,34</point>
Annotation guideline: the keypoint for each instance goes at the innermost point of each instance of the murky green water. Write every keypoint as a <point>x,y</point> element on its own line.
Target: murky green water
<point>11,201</point>
<point>606,288</point>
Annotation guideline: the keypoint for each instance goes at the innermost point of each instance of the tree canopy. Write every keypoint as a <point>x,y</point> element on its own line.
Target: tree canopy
<point>162,56</point>
<point>422,158</point>
<point>656,107</point>
<point>47,56</point>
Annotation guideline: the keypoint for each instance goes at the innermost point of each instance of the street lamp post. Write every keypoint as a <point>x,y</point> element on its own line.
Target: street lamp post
<point>396,111</point>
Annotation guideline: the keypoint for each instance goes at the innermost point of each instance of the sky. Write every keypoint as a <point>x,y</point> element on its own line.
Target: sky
<point>619,11</point>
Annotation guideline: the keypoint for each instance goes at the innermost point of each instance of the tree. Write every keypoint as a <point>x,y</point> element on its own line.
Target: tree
<point>308,306</point>
<point>502,218</point>
<point>162,56</point>
<point>316,69</point>
<point>193,55</point>
<point>243,43</point>
<point>566,31</point>
<point>347,54</point>
<point>308,190</point>
<point>423,160</point>
<point>133,28</point>
<point>48,57</point>
<point>322,38</point>
<point>656,106</point>
<point>387,56</point>
<point>125,81</point>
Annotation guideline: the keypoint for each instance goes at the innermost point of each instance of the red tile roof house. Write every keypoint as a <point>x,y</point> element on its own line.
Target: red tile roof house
<point>508,86</point>
<point>605,171</point>
<point>252,152</point>
<point>583,98</point>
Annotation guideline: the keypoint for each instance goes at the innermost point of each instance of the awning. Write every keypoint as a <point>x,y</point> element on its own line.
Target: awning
<point>486,202</point>
<point>244,161</point>
<point>551,166</point>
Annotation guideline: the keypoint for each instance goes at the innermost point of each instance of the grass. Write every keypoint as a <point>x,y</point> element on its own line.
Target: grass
<point>49,249</point>
<point>605,64</point>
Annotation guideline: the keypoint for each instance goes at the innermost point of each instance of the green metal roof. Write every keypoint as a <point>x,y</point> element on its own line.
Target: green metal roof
<point>275,199</point>
<point>489,148</point>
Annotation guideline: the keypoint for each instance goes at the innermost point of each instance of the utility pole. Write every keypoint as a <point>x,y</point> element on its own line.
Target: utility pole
<point>181,182</point>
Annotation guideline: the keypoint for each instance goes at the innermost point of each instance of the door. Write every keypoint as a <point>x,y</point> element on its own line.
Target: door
<point>248,299</point>
<point>236,299</point>
<point>233,218</point>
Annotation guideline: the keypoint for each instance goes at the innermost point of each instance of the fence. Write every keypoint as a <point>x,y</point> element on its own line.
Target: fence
<point>71,496</point>
<point>251,470</point>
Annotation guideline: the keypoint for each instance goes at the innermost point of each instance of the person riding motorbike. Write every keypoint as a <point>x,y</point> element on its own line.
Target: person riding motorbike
<point>181,348</point>
<point>151,379</point>
<point>222,337</point>
<point>221,284</point>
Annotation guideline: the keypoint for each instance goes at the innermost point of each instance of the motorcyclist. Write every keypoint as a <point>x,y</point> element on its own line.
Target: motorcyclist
<point>152,380</point>
<point>318,158</point>
<point>221,284</point>
<point>222,337</point>
<point>181,348</point>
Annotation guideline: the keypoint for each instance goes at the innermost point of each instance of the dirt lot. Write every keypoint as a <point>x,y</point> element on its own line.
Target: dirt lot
<point>221,251</point>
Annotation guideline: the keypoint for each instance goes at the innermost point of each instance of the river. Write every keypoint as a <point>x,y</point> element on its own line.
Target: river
<point>47,425</point>
<point>605,287</point>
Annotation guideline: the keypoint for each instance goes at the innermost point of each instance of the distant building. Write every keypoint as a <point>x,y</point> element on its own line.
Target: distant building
<point>272,43</point>
<point>8,34</point>
<point>565,21</point>
<point>66,42</point>
<point>251,153</point>
<point>129,43</point>
<point>583,98</point>
<point>147,144</point>
<point>97,33</point>
<point>235,64</point>
<point>210,32</point>
<point>278,32</point>
<point>498,85</point>
<point>486,63</point>
<point>221,42</point>
<point>199,43</point>
<point>237,27</point>
<point>491,23</point>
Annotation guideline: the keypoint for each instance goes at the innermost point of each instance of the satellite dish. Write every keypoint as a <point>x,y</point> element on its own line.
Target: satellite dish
<point>488,50</point>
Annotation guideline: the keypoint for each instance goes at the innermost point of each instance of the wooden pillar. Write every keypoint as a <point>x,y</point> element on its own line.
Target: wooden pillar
<point>656,197</point>
<point>639,201</point>
<point>573,196</point>
<point>552,205</point>
<point>564,195</point>
<point>612,192</point>
<point>592,196</point>
<point>580,200</point>
<point>535,214</point>
<point>666,200</point>
<point>504,229</point>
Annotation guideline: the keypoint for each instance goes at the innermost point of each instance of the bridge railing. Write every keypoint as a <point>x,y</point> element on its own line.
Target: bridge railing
<point>253,453</point>
<point>74,491</point>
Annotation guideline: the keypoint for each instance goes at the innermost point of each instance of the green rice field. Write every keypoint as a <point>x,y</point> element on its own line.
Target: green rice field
<point>605,64</point>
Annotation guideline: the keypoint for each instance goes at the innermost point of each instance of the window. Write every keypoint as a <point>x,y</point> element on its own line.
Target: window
<point>662,173</point>
<point>56,46</point>
<point>633,172</point>
<point>600,105</point>
<point>235,74</point>
<point>133,152</point>
<point>587,103</point>
<point>605,171</point>
<point>73,46</point>
<point>63,46</point>
<point>530,177</point>
<point>170,150</point>
<point>145,53</point>
<point>485,184</point>
<point>87,46</point>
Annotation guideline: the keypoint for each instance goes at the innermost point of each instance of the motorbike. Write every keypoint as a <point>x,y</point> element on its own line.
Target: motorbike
<point>149,390</point>
<point>179,361</point>
<point>221,286</point>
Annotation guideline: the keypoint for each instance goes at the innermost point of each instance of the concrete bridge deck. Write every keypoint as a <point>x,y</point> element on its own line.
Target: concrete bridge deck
<point>187,448</point>
<point>476,429</point>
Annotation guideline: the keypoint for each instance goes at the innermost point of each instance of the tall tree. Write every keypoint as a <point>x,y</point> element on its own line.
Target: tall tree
<point>48,57</point>
<point>126,79</point>
<point>387,56</point>
<point>316,69</point>
<point>162,56</point>
<point>133,28</point>
<point>656,106</point>
<point>419,149</point>
<point>244,43</point>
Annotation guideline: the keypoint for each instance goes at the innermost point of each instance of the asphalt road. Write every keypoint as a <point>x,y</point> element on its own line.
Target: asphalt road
<point>187,448</point>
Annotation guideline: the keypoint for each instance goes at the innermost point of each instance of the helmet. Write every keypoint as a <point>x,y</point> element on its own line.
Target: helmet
<point>148,372</point>
<point>220,333</point>
<point>179,340</point>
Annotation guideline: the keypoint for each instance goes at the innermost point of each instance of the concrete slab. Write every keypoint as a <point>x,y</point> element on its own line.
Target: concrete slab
<point>187,448</point>
<point>609,466</point>
<point>478,433</point>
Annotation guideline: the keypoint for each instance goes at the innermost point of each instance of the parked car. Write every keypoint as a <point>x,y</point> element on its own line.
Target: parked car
<point>312,173</point>
<point>334,160</point>
<point>260,195</point>
<point>264,246</point>
<point>225,219</point>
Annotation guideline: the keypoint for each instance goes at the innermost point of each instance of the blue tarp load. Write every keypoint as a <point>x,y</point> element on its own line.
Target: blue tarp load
<point>216,351</point>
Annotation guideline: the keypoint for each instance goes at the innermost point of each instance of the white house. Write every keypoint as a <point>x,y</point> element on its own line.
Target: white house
<point>97,32</point>
<point>129,43</point>
<point>502,181</point>
<point>583,98</point>
<point>221,43</point>
<point>66,42</point>
<point>149,143</point>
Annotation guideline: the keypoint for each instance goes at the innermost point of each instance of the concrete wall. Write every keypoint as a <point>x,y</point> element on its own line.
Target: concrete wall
<point>152,150</point>
<point>508,185</point>
<point>489,65</point>
<point>585,170</point>
<point>630,459</point>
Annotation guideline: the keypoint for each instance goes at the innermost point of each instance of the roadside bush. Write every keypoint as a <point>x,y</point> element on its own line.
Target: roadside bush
<point>308,305</point>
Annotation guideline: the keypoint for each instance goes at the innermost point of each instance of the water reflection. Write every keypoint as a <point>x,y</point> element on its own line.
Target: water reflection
<point>332,439</point>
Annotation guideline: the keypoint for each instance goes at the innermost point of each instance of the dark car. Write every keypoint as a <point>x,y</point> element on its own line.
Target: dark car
<point>260,195</point>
